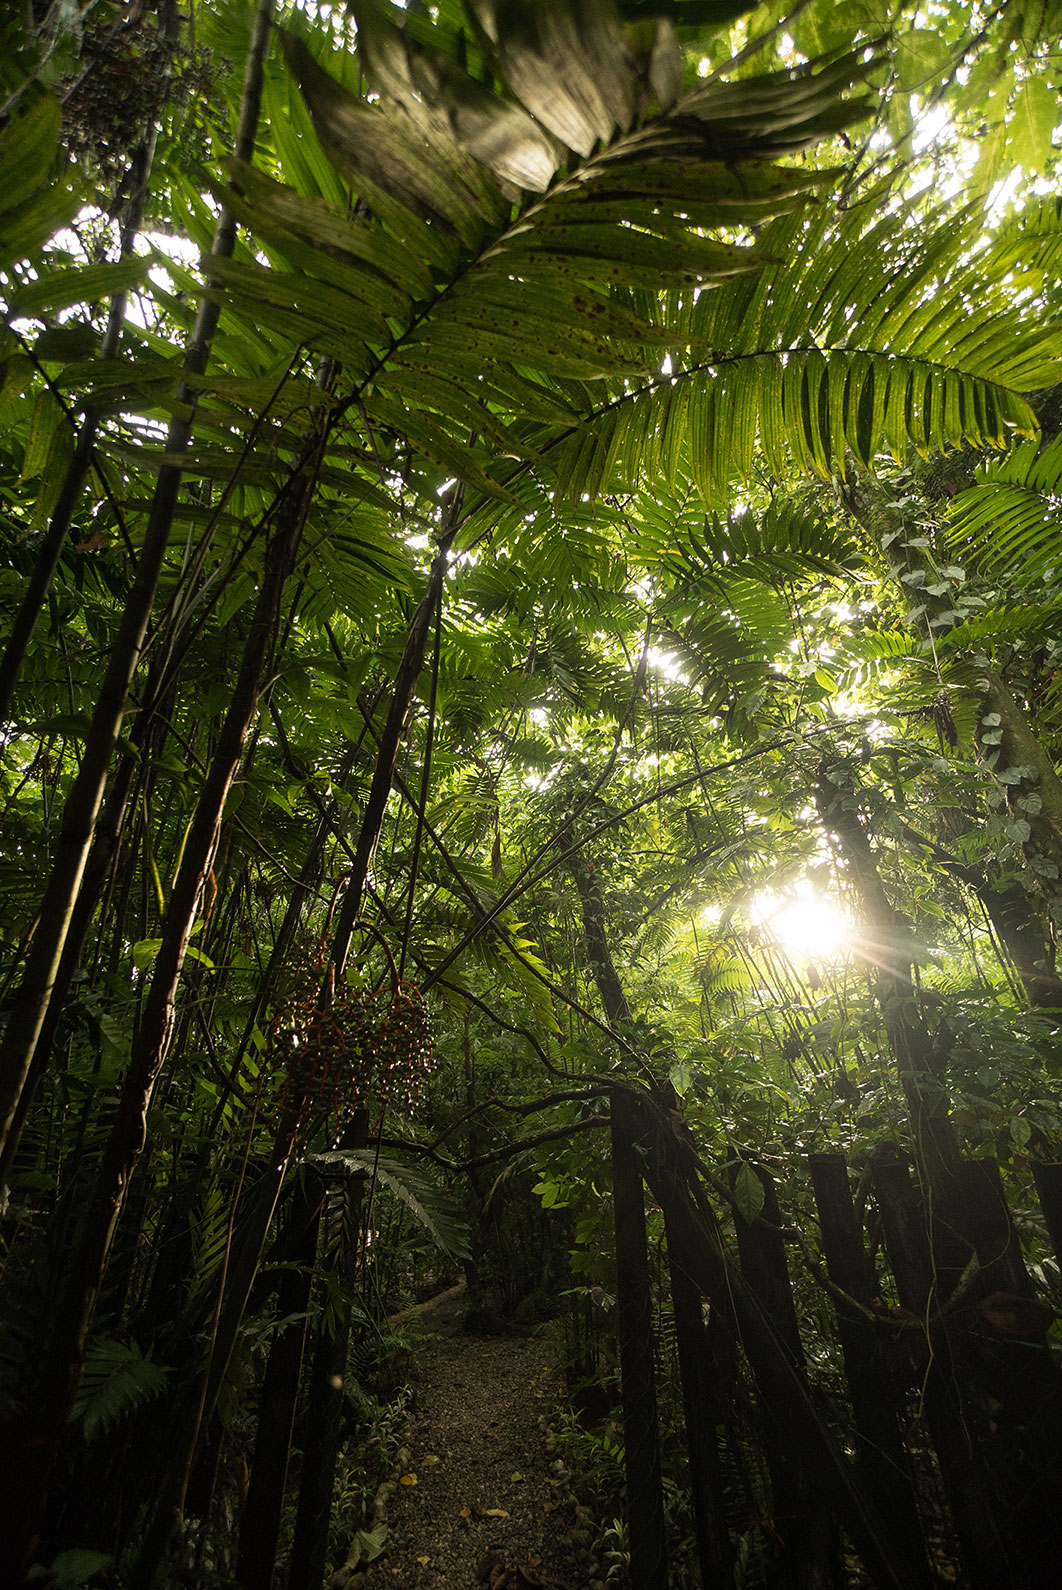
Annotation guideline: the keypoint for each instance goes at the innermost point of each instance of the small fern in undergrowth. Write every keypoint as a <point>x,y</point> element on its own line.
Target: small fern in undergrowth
<point>116,1380</point>
<point>381,1429</point>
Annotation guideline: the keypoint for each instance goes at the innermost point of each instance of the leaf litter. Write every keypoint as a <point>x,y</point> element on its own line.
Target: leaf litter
<point>479,1504</point>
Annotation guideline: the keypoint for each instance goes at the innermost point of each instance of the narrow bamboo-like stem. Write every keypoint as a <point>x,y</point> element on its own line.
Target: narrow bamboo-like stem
<point>50,549</point>
<point>327,1388</point>
<point>263,1509</point>
<point>425,784</point>
<point>30,1005</point>
<point>406,677</point>
<point>645,1497</point>
<point>887,945</point>
<point>697,1244</point>
<point>34,1442</point>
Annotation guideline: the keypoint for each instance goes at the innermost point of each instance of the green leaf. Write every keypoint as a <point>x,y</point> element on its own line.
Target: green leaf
<point>144,952</point>
<point>24,229</point>
<point>28,145</point>
<point>435,1207</point>
<point>84,284</point>
<point>115,1380</point>
<point>680,1076</point>
<point>67,344</point>
<point>1033,117</point>
<point>71,1569</point>
<point>921,56</point>
<point>749,1193</point>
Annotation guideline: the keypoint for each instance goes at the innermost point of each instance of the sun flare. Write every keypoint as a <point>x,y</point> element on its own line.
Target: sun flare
<point>805,924</point>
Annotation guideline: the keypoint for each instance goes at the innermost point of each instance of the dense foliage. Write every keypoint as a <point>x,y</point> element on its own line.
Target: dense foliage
<point>501,503</point>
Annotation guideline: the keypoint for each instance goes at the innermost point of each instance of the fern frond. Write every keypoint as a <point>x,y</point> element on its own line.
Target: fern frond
<point>1031,243</point>
<point>435,1207</point>
<point>116,1380</point>
<point>1011,518</point>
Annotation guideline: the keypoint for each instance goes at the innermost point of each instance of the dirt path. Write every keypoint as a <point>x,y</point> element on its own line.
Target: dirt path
<point>479,1480</point>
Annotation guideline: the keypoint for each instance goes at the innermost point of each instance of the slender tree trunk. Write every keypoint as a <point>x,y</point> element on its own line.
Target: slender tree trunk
<point>29,1007</point>
<point>641,1436</point>
<point>715,1552</point>
<point>324,1412</point>
<point>50,549</point>
<point>877,1401</point>
<point>105,843</point>
<point>1013,916</point>
<point>699,1248</point>
<point>806,1551</point>
<point>409,669</point>
<point>887,943</point>
<point>33,1446</point>
<point>1003,739</point>
<point>263,1508</point>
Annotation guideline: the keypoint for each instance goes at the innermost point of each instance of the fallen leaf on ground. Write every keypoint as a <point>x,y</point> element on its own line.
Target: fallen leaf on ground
<point>495,1512</point>
<point>408,1479</point>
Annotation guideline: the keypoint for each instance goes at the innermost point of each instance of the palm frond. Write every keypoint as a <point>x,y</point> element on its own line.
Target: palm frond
<point>1031,243</point>
<point>435,1207</point>
<point>32,206</point>
<point>1011,518</point>
<point>857,334</point>
<point>787,539</point>
<point>469,310</point>
<point>115,1380</point>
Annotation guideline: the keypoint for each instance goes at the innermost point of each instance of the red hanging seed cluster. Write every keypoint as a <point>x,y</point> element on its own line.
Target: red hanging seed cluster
<point>404,1048</point>
<point>332,1057</point>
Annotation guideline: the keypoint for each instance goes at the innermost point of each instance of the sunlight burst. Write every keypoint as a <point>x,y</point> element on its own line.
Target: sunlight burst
<point>803,923</point>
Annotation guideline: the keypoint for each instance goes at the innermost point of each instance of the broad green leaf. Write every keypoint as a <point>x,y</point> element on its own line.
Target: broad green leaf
<point>1033,117</point>
<point>749,1194</point>
<point>83,284</point>
<point>921,55</point>
<point>435,1207</point>
<point>71,343</point>
<point>28,144</point>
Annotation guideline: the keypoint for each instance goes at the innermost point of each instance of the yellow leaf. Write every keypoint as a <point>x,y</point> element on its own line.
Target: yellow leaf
<point>516,1478</point>
<point>424,1561</point>
<point>533,1560</point>
<point>495,1512</point>
<point>466,1512</point>
<point>408,1479</point>
<point>428,1461</point>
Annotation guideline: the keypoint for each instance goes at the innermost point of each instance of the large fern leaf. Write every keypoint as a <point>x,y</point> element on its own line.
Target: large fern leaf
<point>457,313</point>
<point>115,1380</point>
<point>1031,243</point>
<point>1011,518</point>
<point>433,1206</point>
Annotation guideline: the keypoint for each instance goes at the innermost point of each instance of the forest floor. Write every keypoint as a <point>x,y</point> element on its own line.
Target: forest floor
<point>482,1501</point>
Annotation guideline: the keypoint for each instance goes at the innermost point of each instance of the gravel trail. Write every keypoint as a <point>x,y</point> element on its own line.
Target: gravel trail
<point>478,1503</point>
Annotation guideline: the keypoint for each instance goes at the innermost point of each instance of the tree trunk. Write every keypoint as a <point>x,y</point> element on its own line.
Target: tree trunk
<point>807,1552</point>
<point>877,1401</point>
<point>324,1413</point>
<point>886,943</point>
<point>30,1005</point>
<point>699,1248</point>
<point>406,677</point>
<point>641,1436</point>
<point>263,1508</point>
<point>44,1420</point>
<point>715,1553</point>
